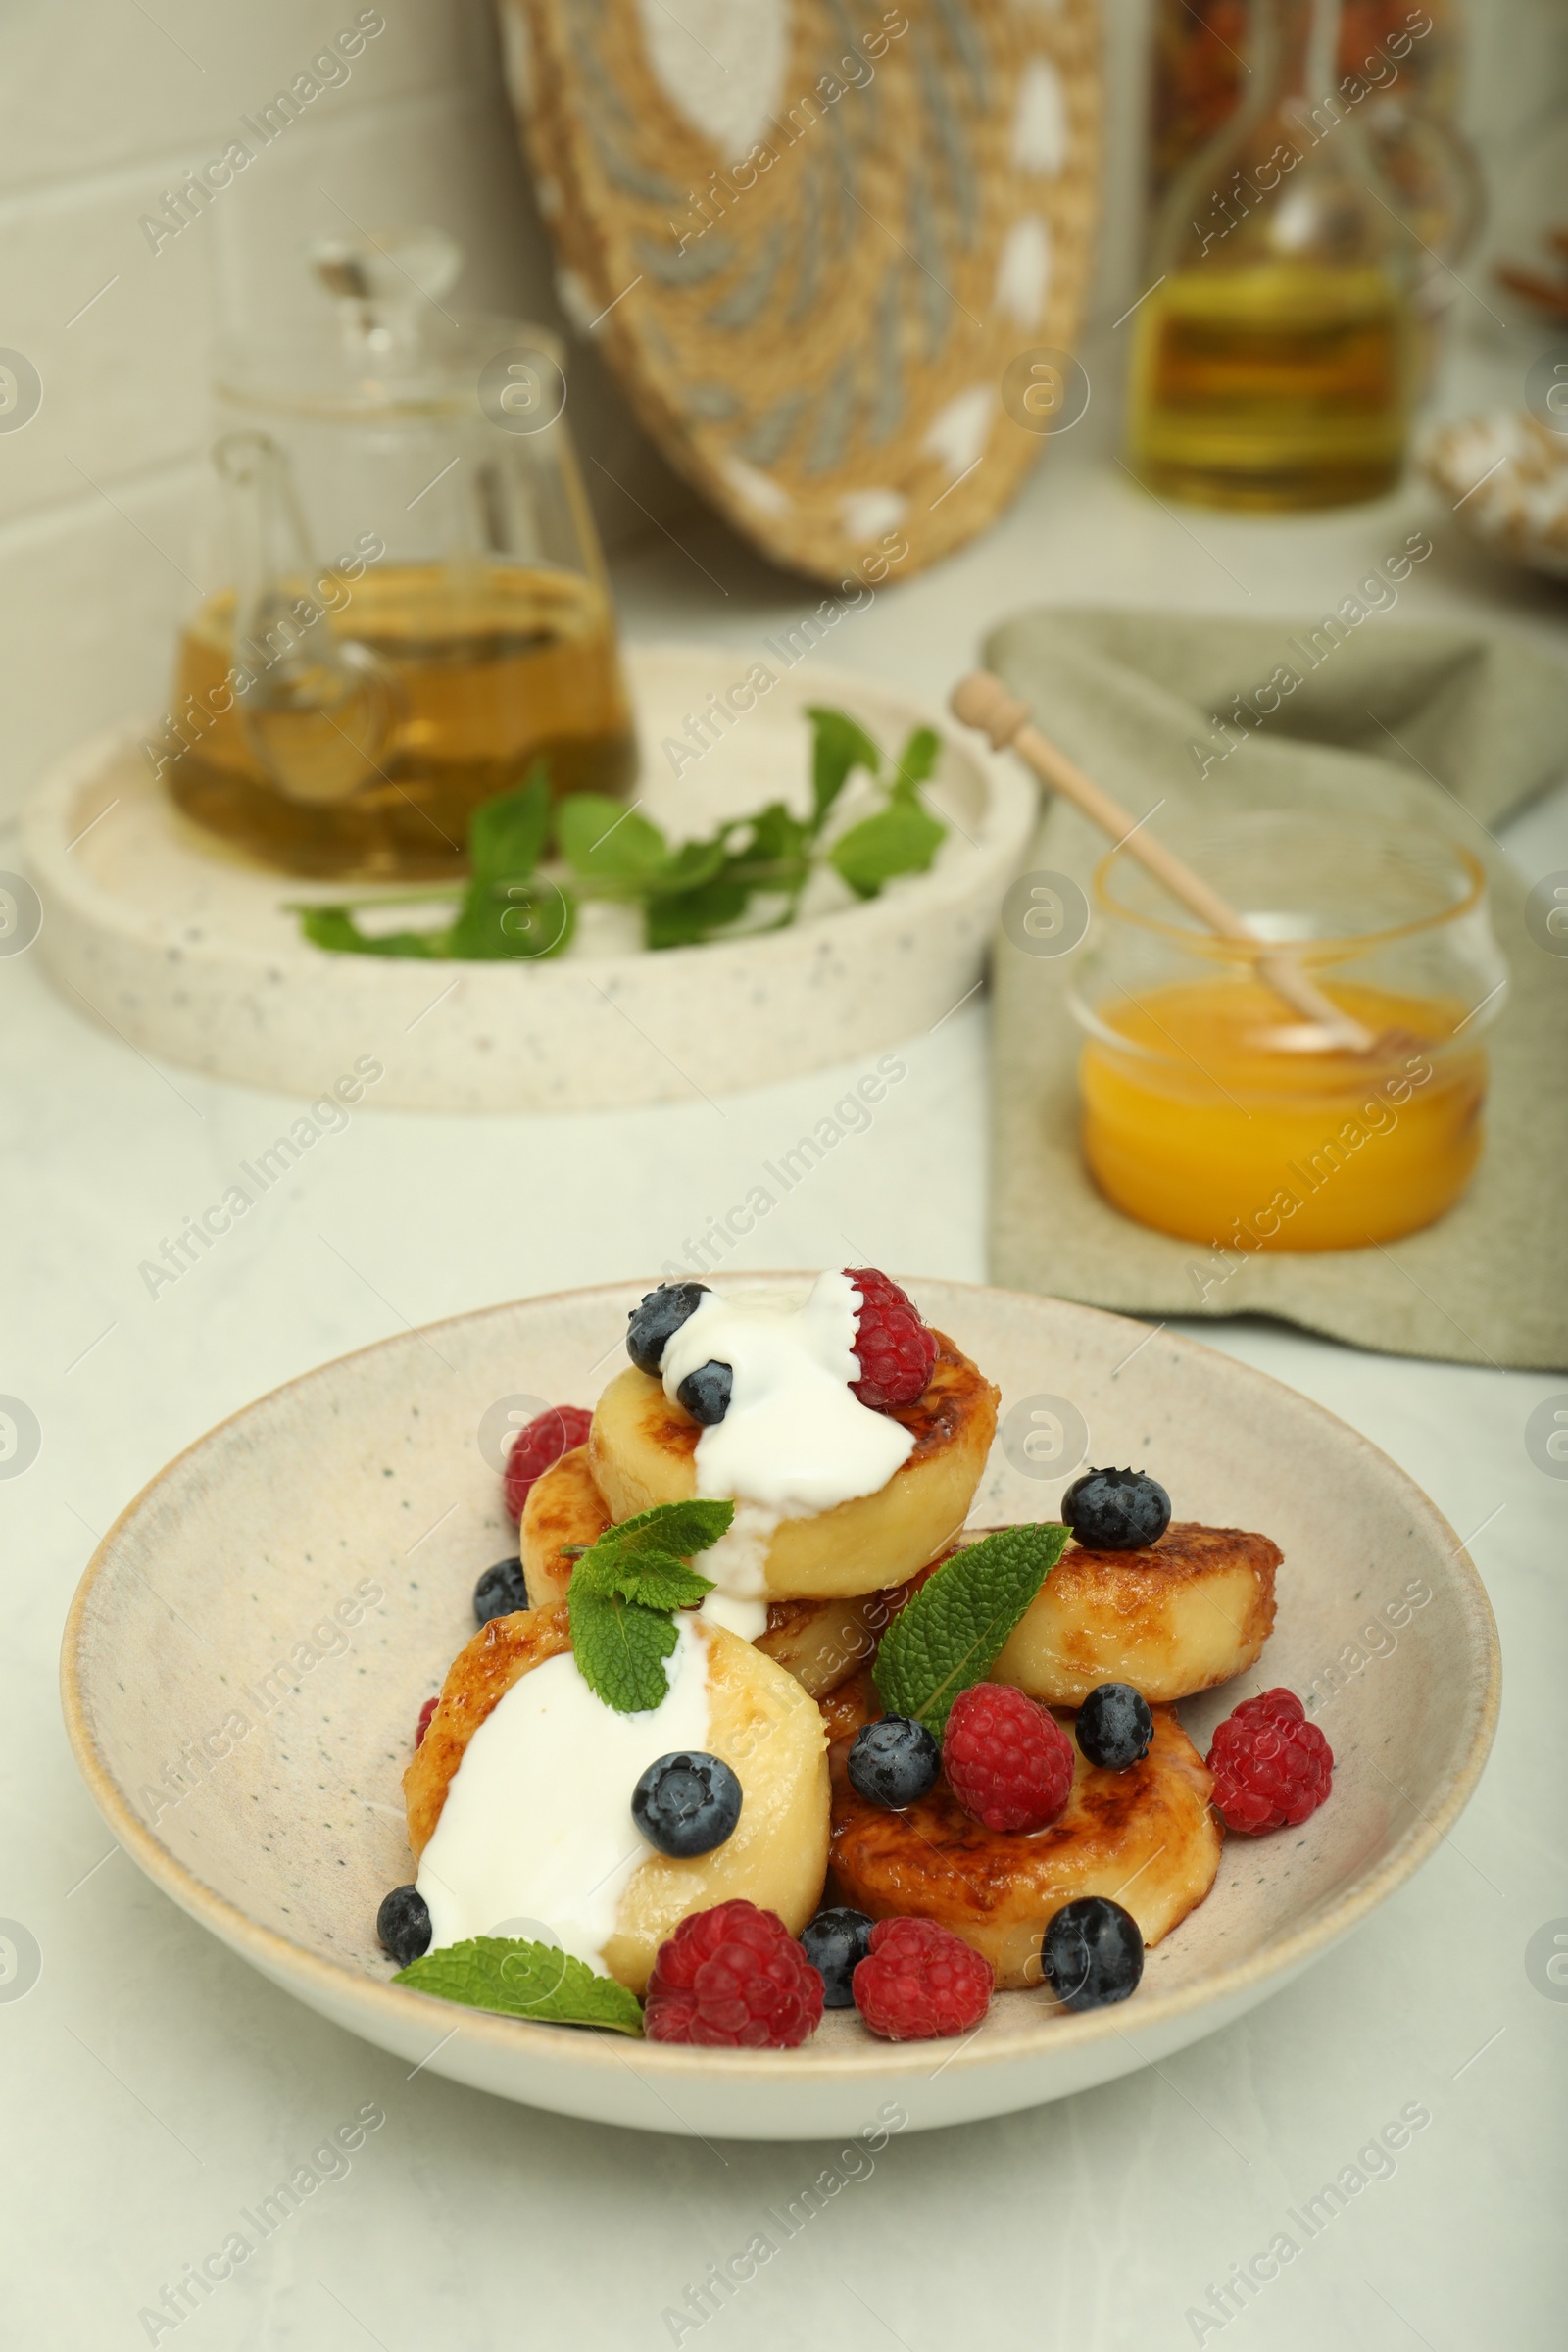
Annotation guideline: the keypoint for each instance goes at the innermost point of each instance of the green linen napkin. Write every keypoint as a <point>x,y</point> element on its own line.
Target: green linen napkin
<point>1449,727</point>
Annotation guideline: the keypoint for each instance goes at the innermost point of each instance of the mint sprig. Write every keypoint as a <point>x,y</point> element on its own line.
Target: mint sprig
<point>952,1633</point>
<point>522,1978</point>
<point>623,1592</point>
<point>534,859</point>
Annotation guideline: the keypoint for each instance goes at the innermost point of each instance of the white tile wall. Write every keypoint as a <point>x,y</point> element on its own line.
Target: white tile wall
<point>103,105</point>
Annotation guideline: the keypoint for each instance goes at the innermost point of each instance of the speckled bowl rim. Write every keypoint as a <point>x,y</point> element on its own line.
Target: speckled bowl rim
<point>1238,1982</point>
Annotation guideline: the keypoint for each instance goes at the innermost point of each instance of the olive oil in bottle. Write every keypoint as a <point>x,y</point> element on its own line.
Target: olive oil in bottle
<point>1279,385</point>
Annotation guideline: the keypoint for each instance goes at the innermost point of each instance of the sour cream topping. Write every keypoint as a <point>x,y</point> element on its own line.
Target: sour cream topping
<point>795,1440</point>
<point>536,1833</point>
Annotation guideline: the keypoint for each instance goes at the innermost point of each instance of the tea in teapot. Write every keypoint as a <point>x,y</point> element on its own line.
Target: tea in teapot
<point>346,718</point>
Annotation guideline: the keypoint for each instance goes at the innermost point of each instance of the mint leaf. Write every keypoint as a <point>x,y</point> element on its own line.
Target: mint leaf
<point>504,911</point>
<point>681,1527</point>
<point>707,885</point>
<point>686,919</point>
<point>916,764</point>
<point>525,921</point>
<point>620,1646</point>
<point>506,836</point>
<point>654,1580</point>
<point>690,898</point>
<point>952,1633</point>
<point>522,1978</point>
<point>776,856</point>
<point>604,840</point>
<point>692,864</point>
<point>335,929</point>
<point>900,839</point>
<point>839,747</point>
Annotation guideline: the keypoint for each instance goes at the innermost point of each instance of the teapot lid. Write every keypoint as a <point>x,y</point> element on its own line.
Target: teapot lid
<point>390,345</point>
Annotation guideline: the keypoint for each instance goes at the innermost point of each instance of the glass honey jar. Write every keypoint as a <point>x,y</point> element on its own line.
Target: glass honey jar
<point>1214,1111</point>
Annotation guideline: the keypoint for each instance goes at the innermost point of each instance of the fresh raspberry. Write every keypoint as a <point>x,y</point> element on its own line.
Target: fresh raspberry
<point>894,1349</point>
<point>733,1979</point>
<point>1278,1705</point>
<point>547,1437</point>
<point>1008,1762</point>
<point>919,1982</point>
<point>1271,1767</point>
<point>425,1713</point>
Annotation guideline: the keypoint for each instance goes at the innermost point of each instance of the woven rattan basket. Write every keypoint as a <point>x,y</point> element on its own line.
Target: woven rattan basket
<point>811,238</point>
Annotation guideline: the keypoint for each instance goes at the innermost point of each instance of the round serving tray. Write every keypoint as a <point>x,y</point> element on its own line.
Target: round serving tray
<point>189,954</point>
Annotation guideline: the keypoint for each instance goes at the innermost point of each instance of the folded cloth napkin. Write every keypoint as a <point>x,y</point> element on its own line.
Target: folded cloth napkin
<point>1449,727</point>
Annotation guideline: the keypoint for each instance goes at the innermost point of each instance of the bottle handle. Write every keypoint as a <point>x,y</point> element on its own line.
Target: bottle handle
<point>1394,124</point>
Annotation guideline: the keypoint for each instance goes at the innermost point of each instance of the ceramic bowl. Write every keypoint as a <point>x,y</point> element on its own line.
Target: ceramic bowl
<point>187,953</point>
<point>253,1639</point>
<point>1505,478</point>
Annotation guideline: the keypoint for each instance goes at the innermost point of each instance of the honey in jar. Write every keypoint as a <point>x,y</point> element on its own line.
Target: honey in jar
<point>1206,1124</point>
<point>1214,1111</point>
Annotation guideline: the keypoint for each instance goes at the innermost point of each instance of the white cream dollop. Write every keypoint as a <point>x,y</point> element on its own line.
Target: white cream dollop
<point>796,1439</point>
<point>735,1611</point>
<point>537,1822</point>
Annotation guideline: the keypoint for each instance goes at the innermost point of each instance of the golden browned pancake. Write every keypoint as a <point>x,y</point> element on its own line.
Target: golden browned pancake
<point>1146,1837</point>
<point>819,1641</point>
<point>641,1450</point>
<point>1175,1617</point>
<point>565,1510</point>
<point>760,1722</point>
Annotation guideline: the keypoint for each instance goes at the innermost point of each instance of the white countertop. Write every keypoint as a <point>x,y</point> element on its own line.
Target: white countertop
<point>154,2084</point>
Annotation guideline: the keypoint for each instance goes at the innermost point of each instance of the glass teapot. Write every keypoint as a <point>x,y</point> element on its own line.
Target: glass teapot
<point>416,608</point>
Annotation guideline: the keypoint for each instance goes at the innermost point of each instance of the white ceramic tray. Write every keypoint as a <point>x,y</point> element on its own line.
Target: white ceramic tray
<point>191,955</point>
<point>280,1830</point>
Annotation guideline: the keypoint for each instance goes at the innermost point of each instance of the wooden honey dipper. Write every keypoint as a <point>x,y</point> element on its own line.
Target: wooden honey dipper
<point>981,700</point>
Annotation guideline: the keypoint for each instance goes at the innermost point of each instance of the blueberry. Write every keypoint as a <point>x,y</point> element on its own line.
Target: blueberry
<point>834,1941</point>
<point>1116,1510</point>
<point>1115,1726</point>
<point>686,1804</point>
<point>706,1392</point>
<point>1091,1953</point>
<point>894,1761</point>
<point>651,1326</point>
<point>403,1924</point>
<point>500,1590</point>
